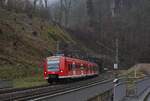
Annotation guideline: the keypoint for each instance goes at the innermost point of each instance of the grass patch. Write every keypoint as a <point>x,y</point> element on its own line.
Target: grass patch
<point>56,33</point>
<point>36,80</point>
<point>17,72</point>
<point>23,76</point>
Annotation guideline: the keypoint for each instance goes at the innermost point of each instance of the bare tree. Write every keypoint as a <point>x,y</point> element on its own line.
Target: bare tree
<point>90,12</point>
<point>2,3</point>
<point>41,3</point>
<point>35,4</point>
<point>10,4</point>
<point>66,6</point>
<point>46,3</point>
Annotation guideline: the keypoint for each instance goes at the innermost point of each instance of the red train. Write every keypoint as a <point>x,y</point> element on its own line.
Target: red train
<point>60,67</point>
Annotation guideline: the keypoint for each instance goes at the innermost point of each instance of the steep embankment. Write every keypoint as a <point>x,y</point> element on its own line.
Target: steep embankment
<point>25,41</point>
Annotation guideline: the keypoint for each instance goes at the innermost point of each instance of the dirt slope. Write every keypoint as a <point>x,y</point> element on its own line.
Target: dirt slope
<point>26,40</point>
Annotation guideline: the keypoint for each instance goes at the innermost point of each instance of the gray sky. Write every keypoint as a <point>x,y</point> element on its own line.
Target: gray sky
<point>52,1</point>
<point>49,1</point>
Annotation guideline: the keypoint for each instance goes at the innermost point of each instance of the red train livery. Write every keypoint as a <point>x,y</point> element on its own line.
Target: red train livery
<point>60,67</point>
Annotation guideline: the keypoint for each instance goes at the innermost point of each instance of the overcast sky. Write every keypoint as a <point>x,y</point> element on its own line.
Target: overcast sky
<point>49,1</point>
<point>52,1</point>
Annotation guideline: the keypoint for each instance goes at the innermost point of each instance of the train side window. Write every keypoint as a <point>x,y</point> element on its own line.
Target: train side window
<point>73,66</point>
<point>82,67</point>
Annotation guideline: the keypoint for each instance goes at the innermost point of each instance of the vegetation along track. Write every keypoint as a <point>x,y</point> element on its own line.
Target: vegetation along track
<point>36,92</point>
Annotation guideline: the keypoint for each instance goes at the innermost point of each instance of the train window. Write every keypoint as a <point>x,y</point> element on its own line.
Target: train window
<point>73,66</point>
<point>82,67</point>
<point>53,65</point>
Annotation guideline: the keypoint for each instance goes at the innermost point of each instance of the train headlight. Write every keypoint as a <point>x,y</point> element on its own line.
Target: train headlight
<point>61,71</point>
<point>45,72</point>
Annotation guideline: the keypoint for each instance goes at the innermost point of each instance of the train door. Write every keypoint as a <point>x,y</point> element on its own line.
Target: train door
<point>86,69</point>
<point>96,70</point>
<point>70,73</point>
<point>78,69</point>
<point>92,69</point>
<point>74,68</point>
<point>82,69</point>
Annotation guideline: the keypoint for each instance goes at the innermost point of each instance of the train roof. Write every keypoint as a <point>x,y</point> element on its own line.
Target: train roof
<point>69,58</point>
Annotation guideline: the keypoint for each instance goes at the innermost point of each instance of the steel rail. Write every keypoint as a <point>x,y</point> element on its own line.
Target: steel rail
<point>76,86</point>
<point>72,90</point>
<point>35,92</point>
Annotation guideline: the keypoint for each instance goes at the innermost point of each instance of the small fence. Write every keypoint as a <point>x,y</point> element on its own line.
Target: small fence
<point>131,87</point>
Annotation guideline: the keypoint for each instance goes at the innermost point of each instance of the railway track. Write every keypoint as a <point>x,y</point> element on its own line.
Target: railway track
<point>9,90</point>
<point>70,90</point>
<point>46,90</point>
<point>25,93</point>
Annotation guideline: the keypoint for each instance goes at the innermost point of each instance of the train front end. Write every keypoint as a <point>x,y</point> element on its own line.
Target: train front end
<point>52,69</point>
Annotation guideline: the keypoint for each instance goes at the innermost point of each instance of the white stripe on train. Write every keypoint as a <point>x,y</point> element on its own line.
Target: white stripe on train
<point>77,76</point>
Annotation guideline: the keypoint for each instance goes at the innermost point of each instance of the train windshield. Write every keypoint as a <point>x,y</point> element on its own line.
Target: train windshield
<point>53,65</point>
